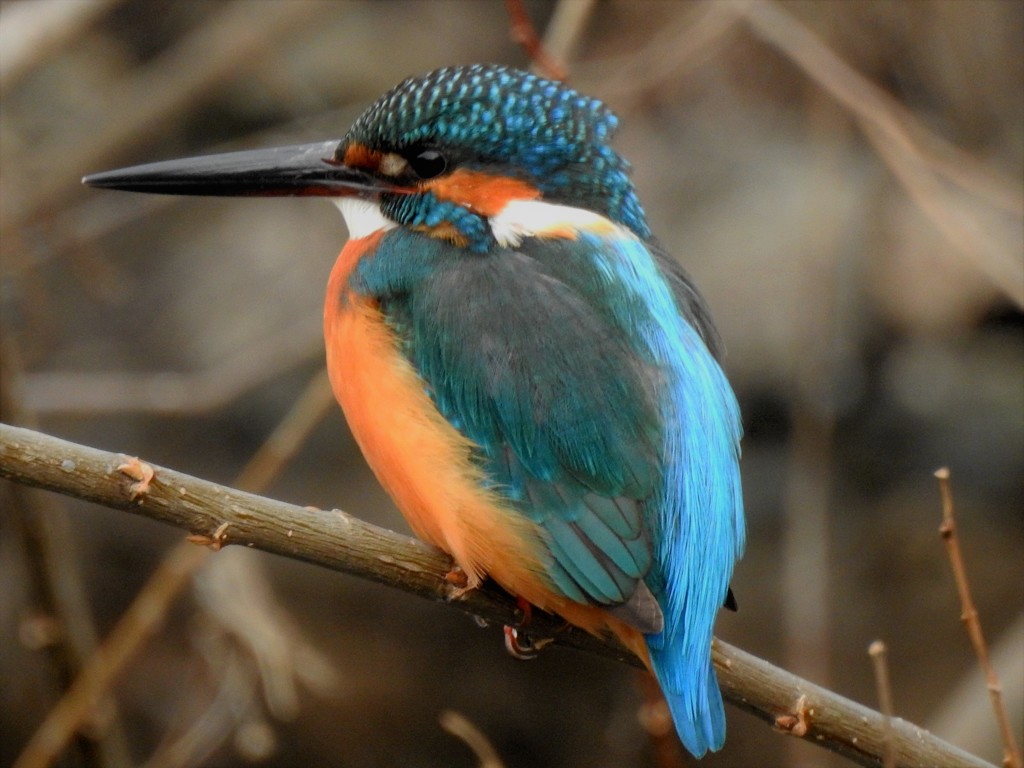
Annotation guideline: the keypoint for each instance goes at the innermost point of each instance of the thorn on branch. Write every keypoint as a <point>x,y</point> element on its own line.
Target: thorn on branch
<point>139,471</point>
<point>214,541</point>
<point>460,583</point>
<point>797,722</point>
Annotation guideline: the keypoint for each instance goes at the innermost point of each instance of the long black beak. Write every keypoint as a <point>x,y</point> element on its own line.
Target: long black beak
<point>304,170</point>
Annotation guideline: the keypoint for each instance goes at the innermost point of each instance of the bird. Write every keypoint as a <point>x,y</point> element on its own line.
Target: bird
<point>534,380</point>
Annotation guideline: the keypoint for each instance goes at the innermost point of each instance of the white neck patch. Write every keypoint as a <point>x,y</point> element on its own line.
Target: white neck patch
<point>535,218</point>
<point>362,217</point>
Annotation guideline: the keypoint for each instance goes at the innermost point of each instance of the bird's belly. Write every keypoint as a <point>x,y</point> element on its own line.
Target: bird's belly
<point>423,462</point>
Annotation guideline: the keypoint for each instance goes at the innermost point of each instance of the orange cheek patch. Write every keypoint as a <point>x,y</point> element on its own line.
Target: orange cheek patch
<point>361,156</point>
<point>482,193</point>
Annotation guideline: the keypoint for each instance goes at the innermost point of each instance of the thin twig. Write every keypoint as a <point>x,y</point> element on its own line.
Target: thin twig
<point>289,435</point>
<point>461,728</point>
<point>344,543</point>
<point>879,659</point>
<point>969,616</point>
<point>964,717</point>
<point>972,228</point>
<point>686,42</point>
<point>523,32</point>
<point>564,30</point>
<point>172,393</point>
<point>779,27</point>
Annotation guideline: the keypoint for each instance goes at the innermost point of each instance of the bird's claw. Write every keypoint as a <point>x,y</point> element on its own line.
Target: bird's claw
<point>522,647</point>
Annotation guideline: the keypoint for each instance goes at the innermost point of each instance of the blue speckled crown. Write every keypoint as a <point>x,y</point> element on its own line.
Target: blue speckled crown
<point>538,129</point>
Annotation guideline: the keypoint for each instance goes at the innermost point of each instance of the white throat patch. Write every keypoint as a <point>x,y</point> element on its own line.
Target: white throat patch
<point>535,218</point>
<point>362,217</point>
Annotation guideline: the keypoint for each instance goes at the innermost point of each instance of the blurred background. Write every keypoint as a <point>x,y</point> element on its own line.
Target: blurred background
<point>842,179</point>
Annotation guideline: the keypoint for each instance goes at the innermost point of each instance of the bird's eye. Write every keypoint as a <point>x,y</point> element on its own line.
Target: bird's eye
<point>428,163</point>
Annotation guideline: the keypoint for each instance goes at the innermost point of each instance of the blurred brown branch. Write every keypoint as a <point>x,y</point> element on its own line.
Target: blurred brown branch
<point>242,611</point>
<point>697,35</point>
<point>524,33</point>
<point>167,392</point>
<point>565,28</point>
<point>341,542</point>
<point>880,661</point>
<point>233,40</point>
<point>978,209</point>
<point>32,32</point>
<point>460,727</point>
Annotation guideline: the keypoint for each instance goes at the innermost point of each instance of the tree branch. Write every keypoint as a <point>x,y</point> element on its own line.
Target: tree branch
<point>341,542</point>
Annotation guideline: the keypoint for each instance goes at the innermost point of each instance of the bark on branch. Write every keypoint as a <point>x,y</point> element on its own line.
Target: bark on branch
<point>344,543</point>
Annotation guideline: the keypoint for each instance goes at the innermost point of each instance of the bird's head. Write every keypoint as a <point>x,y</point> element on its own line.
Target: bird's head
<point>444,153</point>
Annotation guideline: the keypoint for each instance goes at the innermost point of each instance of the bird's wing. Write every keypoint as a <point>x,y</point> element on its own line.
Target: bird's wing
<point>521,351</point>
<point>688,299</point>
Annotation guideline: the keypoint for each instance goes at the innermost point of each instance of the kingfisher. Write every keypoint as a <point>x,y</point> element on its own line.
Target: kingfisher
<point>533,379</point>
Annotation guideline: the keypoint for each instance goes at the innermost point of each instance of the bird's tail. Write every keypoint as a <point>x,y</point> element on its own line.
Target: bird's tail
<point>693,697</point>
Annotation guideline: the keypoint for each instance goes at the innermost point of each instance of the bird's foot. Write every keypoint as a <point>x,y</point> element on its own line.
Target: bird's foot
<point>517,643</point>
<point>522,647</point>
<point>525,612</point>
